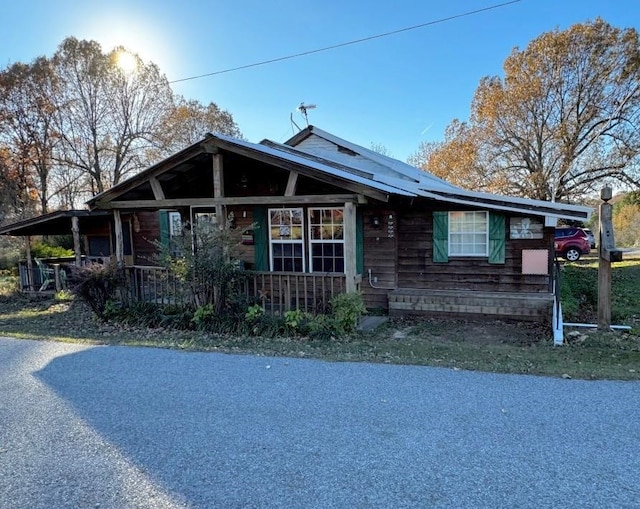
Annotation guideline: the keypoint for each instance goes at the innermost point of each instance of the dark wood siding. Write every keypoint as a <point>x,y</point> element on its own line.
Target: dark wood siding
<point>380,256</point>
<point>416,268</point>
<point>144,247</point>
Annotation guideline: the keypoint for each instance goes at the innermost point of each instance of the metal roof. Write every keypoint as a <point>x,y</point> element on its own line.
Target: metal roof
<point>353,163</point>
<point>417,182</point>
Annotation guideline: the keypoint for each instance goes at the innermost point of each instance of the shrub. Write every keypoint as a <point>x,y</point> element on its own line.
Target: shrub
<point>44,250</point>
<point>293,319</point>
<point>8,283</point>
<point>202,258</point>
<point>203,315</point>
<point>9,253</point>
<point>96,284</point>
<point>323,328</point>
<point>346,309</point>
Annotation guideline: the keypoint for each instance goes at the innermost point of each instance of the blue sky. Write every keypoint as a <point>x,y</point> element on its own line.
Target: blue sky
<point>396,91</point>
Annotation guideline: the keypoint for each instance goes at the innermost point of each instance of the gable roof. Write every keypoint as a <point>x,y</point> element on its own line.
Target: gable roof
<point>319,143</point>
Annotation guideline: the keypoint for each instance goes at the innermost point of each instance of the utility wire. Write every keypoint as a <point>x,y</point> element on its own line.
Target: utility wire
<point>357,41</point>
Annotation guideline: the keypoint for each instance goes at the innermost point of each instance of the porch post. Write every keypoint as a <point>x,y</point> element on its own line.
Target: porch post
<point>119,243</point>
<point>350,246</point>
<point>218,188</point>
<point>75,230</point>
<point>30,282</point>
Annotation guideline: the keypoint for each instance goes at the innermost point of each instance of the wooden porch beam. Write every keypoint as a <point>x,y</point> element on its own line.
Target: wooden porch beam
<point>156,187</point>
<point>235,200</point>
<point>303,170</point>
<point>127,185</point>
<point>291,184</point>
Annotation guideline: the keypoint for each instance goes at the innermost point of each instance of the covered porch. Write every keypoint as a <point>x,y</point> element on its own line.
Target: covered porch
<point>47,275</point>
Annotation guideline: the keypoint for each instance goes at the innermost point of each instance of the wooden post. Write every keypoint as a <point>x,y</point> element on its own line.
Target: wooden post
<point>349,219</point>
<point>218,188</point>
<point>30,278</point>
<point>56,277</point>
<point>119,242</point>
<point>291,183</point>
<point>607,254</point>
<point>75,230</point>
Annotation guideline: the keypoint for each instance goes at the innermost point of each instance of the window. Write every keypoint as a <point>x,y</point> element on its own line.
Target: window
<point>468,233</point>
<point>286,240</point>
<point>175,224</point>
<point>326,239</point>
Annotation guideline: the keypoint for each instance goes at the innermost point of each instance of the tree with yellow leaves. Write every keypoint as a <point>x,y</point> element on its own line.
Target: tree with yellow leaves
<point>563,120</point>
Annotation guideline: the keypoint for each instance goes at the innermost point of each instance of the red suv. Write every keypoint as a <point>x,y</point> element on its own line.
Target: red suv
<point>571,242</point>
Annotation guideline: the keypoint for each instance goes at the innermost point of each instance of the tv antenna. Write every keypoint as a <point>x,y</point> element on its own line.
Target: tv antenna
<point>303,110</point>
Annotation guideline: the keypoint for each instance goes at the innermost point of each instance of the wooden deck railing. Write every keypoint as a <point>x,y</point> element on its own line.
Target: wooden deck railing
<point>154,284</point>
<point>277,292</point>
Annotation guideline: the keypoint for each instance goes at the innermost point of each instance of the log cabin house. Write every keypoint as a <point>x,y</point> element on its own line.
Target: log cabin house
<point>321,215</point>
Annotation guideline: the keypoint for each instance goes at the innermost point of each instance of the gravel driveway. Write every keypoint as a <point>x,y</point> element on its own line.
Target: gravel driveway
<point>118,427</point>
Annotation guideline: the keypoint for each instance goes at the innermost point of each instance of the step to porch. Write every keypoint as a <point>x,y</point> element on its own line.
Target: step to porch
<point>471,304</point>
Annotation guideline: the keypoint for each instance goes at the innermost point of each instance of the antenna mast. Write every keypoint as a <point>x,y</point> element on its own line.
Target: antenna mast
<point>303,110</point>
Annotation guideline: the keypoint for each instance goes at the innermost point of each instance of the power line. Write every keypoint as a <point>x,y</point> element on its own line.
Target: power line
<point>356,41</point>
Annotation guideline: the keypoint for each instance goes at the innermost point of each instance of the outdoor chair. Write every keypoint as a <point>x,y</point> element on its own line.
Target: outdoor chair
<point>47,275</point>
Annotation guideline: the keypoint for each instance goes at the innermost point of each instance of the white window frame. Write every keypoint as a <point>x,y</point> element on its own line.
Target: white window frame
<point>313,241</point>
<point>466,252</point>
<point>273,241</point>
<point>175,223</point>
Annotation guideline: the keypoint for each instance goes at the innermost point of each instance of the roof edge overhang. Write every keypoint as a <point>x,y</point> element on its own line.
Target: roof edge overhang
<point>14,229</point>
<point>202,146</point>
<point>521,205</point>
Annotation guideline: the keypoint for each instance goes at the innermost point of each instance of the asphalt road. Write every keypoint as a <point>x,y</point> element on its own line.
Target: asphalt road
<point>117,427</point>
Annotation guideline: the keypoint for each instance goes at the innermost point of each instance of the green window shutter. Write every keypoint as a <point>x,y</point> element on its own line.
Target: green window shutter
<point>164,228</point>
<point>496,238</point>
<point>359,242</point>
<point>440,237</point>
<point>260,238</point>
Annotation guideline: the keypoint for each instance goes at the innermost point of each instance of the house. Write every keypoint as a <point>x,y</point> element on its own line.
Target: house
<point>321,215</point>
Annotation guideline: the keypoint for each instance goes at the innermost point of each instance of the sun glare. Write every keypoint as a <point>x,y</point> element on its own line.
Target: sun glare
<point>126,61</point>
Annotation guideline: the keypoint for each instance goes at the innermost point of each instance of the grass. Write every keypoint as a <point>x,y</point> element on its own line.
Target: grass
<point>502,347</point>
<point>580,290</point>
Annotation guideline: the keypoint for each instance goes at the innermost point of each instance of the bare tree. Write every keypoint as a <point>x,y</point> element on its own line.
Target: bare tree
<point>78,123</point>
<point>108,116</point>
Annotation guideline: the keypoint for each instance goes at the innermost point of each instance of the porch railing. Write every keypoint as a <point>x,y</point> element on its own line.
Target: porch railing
<point>276,292</point>
<point>153,284</point>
